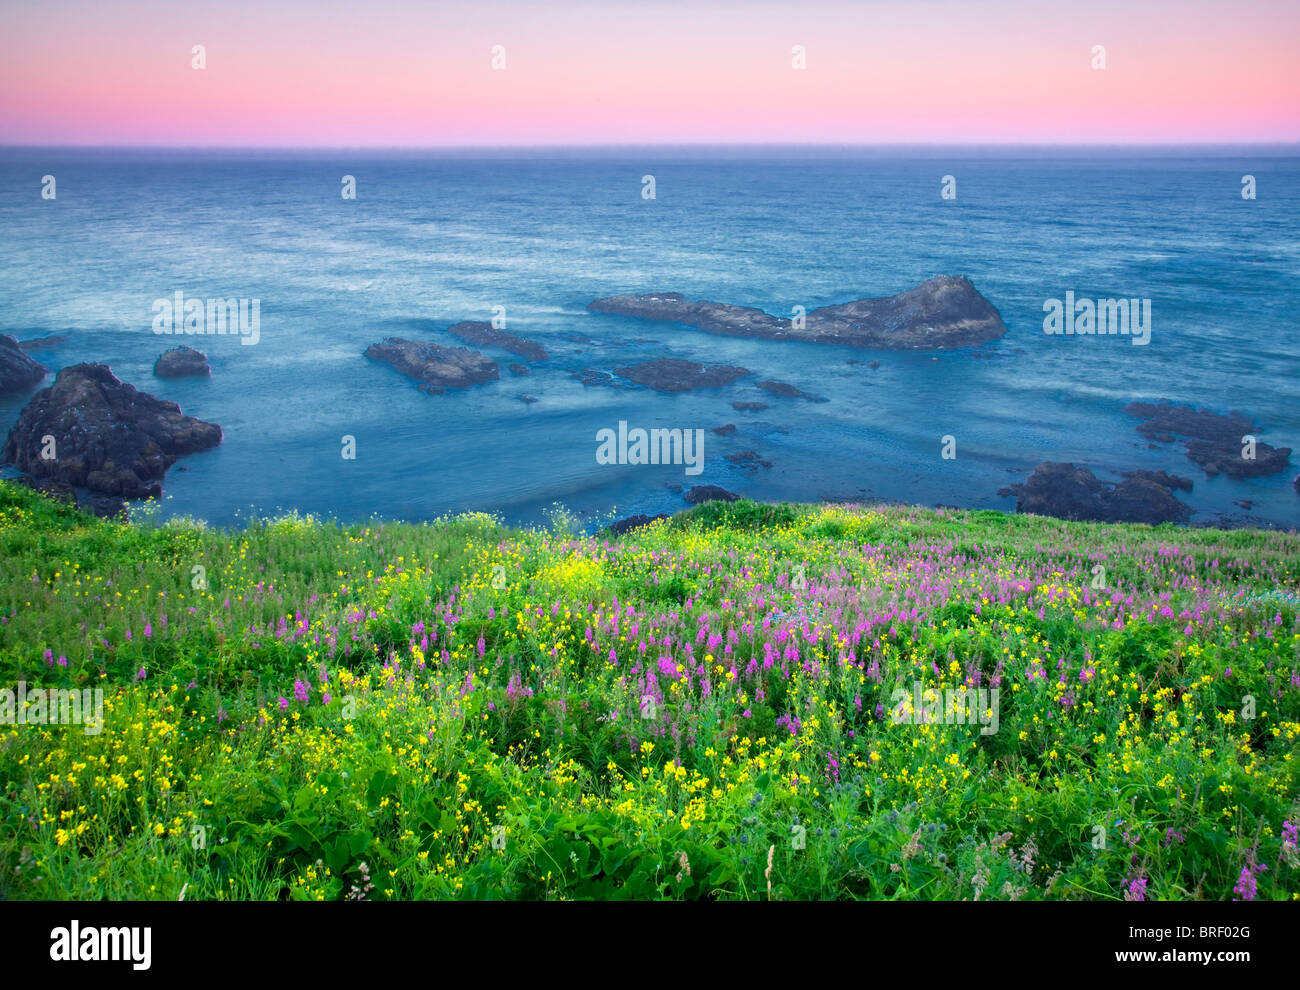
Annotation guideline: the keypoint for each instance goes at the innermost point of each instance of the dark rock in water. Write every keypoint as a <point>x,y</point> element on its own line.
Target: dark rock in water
<point>17,370</point>
<point>529,399</point>
<point>595,378</point>
<point>709,493</point>
<point>789,391</point>
<point>1245,503</point>
<point>725,431</point>
<point>1216,440</point>
<point>852,361</point>
<point>180,362</point>
<point>520,369</point>
<point>1225,457</point>
<point>1162,478</point>
<point>634,522</point>
<point>675,488</point>
<point>107,435</point>
<point>1165,419</point>
<point>42,343</point>
<point>578,338</point>
<point>942,312</point>
<point>748,459</point>
<point>1070,492</point>
<point>749,406</point>
<point>486,335</point>
<point>874,364</point>
<point>677,375</point>
<point>436,366</point>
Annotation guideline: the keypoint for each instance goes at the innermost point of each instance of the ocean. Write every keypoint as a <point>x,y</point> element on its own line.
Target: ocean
<point>437,237</point>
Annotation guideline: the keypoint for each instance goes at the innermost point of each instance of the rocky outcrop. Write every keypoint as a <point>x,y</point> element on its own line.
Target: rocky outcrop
<point>709,493</point>
<point>677,375</point>
<point>181,362</point>
<point>1069,492</point>
<point>103,434</point>
<point>634,522</point>
<point>486,335</point>
<point>436,367</point>
<point>941,313</point>
<point>1215,441</point>
<point>788,391</point>
<point>17,370</point>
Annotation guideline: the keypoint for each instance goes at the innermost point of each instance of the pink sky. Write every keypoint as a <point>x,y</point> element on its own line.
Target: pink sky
<point>404,73</point>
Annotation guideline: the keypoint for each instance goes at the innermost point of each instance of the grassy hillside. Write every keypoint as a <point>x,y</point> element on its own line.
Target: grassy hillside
<point>704,708</point>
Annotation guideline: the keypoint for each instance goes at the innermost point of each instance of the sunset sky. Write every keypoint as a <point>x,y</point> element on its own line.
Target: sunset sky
<point>392,73</point>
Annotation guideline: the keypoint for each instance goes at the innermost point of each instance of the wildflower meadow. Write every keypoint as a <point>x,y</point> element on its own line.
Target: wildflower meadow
<point>742,702</point>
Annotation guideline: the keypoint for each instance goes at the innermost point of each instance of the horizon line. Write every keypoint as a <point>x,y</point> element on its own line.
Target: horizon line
<point>848,145</point>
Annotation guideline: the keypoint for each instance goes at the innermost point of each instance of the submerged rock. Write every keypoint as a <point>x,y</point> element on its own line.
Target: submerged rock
<point>42,343</point>
<point>435,366</point>
<point>943,312</point>
<point>749,406</point>
<point>1069,492</point>
<point>677,375</point>
<point>486,335</point>
<point>104,434</point>
<point>789,391</point>
<point>180,362</point>
<point>17,370</point>
<point>748,459</point>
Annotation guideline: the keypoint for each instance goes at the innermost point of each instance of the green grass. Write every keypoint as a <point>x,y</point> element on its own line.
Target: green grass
<point>505,720</point>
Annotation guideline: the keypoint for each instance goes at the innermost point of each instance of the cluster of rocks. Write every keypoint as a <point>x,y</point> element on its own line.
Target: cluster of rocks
<point>90,429</point>
<point>943,312</point>
<point>437,368</point>
<point>1214,441</point>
